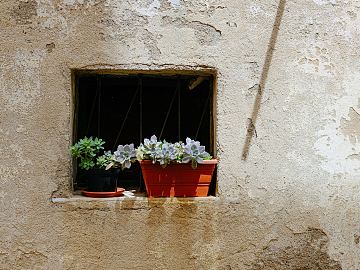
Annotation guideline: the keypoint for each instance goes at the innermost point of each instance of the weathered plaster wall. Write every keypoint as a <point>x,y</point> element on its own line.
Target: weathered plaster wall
<point>293,203</point>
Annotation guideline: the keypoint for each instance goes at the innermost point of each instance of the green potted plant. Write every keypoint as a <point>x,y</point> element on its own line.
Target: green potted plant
<point>92,165</point>
<point>101,170</point>
<point>175,169</point>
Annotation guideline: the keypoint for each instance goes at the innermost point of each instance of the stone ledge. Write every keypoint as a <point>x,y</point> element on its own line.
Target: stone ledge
<point>139,201</point>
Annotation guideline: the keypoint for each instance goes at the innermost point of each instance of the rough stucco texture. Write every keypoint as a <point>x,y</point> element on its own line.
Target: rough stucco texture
<point>293,203</point>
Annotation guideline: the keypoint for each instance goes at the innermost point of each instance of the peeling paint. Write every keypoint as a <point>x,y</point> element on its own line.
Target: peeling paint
<point>175,3</point>
<point>324,2</point>
<point>293,204</point>
<point>150,10</point>
<point>257,10</point>
<point>306,250</point>
<point>339,140</point>
<point>350,128</point>
<point>317,61</point>
<point>31,259</point>
<point>205,34</point>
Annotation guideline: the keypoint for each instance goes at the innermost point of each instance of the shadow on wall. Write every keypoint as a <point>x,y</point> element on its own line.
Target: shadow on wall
<point>251,130</point>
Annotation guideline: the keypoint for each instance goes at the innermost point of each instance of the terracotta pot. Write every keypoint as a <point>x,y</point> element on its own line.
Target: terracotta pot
<point>177,180</point>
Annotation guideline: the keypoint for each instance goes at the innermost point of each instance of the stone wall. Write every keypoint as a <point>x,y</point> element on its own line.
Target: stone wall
<point>287,132</point>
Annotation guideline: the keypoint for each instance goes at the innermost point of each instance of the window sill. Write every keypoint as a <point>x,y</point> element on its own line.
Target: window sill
<point>135,202</point>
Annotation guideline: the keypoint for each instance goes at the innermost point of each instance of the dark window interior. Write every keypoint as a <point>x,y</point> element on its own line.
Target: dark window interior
<point>124,109</point>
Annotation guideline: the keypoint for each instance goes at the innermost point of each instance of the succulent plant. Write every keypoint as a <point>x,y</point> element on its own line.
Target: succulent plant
<point>161,152</point>
<point>124,155</point>
<point>194,152</point>
<point>87,150</point>
<point>166,153</point>
<point>150,149</point>
<point>103,161</point>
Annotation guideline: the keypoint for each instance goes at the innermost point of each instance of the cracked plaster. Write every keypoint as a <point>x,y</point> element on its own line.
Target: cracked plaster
<point>296,195</point>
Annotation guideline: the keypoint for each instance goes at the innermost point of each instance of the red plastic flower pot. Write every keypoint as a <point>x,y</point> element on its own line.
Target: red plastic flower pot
<point>177,180</point>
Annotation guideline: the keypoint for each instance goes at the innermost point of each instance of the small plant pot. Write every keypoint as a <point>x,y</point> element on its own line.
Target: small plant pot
<point>101,180</point>
<point>177,180</point>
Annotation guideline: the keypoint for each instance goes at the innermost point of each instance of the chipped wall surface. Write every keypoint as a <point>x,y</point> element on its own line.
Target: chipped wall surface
<point>288,85</point>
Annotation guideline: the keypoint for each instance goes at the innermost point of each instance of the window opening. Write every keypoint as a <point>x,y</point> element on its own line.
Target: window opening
<point>122,109</point>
